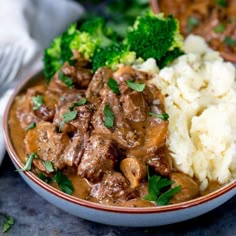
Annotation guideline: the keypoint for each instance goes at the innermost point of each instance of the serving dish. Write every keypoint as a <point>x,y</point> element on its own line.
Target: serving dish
<point>220,27</point>
<point>112,215</point>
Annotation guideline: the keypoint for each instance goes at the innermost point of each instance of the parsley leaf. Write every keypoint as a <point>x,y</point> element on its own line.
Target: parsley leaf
<point>156,184</point>
<point>37,102</point>
<point>63,182</point>
<point>81,102</point>
<point>229,41</point>
<point>8,222</point>
<point>135,86</point>
<point>45,178</point>
<point>31,126</point>
<point>65,79</point>
<point>219,28</point>
<point>166,196</point>
<point>113,85</point>
<point>28,164</point>
<point>163,116</point>
<point>49,166</point>
<point>68,116</point>
<point>109,116</point>
<point>192,22</point>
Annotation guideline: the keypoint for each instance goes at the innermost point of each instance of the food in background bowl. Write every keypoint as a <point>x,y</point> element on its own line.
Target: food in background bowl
<point>212,19</point>
<point>105,137</point>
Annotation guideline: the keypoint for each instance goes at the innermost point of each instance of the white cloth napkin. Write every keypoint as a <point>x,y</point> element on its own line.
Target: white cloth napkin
<point>32,24</point>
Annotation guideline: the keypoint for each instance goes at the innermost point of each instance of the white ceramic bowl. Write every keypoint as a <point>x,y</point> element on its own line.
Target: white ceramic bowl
<point>120,216</point>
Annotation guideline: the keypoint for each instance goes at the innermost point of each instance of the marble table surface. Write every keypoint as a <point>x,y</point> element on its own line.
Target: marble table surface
<point>36,217</point>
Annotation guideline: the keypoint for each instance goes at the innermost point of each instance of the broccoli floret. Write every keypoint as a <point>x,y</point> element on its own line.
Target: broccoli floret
<point>154,36</point>
<point>97,28</point>
<point>91,36</point>
<point>52,58</point>
<point>112,56</point>
<point>74,39</point>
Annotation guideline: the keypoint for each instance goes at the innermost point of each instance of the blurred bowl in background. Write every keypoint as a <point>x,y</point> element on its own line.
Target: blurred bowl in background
<point>204,19</point>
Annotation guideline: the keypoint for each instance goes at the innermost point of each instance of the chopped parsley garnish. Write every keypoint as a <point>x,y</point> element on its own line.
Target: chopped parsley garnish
<point>68,116</point>
<point>219,28</point>
<point>63,182</point>
<point>37,102</point>
<point>49,166</point>
<point>166,196</point>
<point>113,85</point>
<point>222,3</point>
<point>229,41</point>
<point>156,184</point>
<point>28,164</point>
<point>31,126</point>
<point>45,178</point>
<point>7,223</point>
<point>81,102</point>
<point>163,116</point>
<point>135,86</point>
<point>109,116</point>
<point>192,22</point>
<point>65,79</point>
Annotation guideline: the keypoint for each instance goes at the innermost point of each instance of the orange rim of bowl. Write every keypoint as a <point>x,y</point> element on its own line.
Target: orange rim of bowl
<point>228,56</point>
<point>92,205</point>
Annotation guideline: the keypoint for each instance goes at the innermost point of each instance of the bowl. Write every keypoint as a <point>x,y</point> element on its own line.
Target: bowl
<point>111,215</point>
<point>228,56</point>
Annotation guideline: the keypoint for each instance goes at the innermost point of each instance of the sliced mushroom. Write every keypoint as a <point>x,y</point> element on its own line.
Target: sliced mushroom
<point>134,170</point>
<point>189,187</point>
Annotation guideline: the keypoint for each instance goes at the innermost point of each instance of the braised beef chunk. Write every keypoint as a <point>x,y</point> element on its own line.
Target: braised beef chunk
<point>78,78</point>
<point>113,188</point>
<point>26,112</point>
<point>160,162</point>
<point>98,81</point>
<point>75,149</point>
<point>100,155</point>
<point>81,121</point>
<point>47,143</point>
<point>45,113</point>
<point>81,76</point>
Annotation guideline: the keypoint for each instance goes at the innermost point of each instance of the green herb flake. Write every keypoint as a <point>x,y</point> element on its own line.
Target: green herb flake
<point>163,116</point>
<point>156,184</point>
<point>28,164</point>
<point>31,126</point>
<point>109,116</point>
<point>7,223</point>
<point>66,117</point>
<point>65,79</point>
<point>37,102</point>
<point>69,116</point>
<point>166,196</point>
<point>135,86</point>
<point>229,41</point>
<point>221,3</point>
<point>219,28</point>
<point>45,178</point>
<point>63,182</point>
<point>192,22</point>
<point>81,102</point>
<point>49,166</point>
<point>113,85</point>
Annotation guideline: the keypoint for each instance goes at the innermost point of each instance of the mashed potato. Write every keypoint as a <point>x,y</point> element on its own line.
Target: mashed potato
<point>200,98</point>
